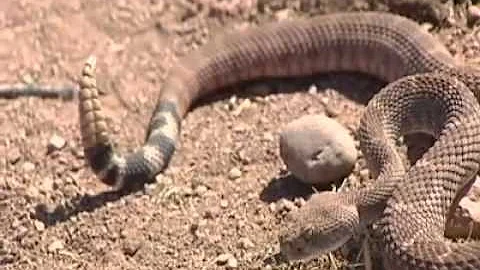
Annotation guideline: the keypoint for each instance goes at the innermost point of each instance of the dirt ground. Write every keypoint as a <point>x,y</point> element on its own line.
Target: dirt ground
<point>219,202</point>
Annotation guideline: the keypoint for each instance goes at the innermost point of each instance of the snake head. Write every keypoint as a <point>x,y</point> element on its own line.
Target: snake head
<point>322,225</point>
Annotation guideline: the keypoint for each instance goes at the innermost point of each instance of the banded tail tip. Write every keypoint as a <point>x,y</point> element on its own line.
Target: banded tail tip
<point>88,79</point>
<point>99,153</point>
<point>90,65</point>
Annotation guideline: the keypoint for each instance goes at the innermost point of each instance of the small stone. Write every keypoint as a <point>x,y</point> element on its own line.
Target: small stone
<point>16,223</point>
<point>283,14</point>
<point>223,203</point>
<point>332,111</point>
<point>223,258</point>
<point>200,190</point>
<point>54,246</point>
<point>318,150</point>
<point>244,105</point>
<point>245,243</point>
<point>313,89</point>
<point>14,156</point>
<point>232,102</point>
<point>299,202</point>
<point>27,78</point>
<point>228,260</point>
<point>56,143</point>
<point>47,185</point>
<point>130,247</point>
<point>40,226</point>
<point>32,192</point>
<point>268,137</point>
<point>232,263</point>
<point>28,166</point>
<point>234,173</point>
<point>284,204</point>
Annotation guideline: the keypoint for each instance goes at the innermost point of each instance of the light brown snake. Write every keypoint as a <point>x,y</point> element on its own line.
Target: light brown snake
<point>411,205</point>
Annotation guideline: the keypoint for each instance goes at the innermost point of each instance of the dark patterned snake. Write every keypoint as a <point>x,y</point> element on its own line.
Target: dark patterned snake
<point>428,93</point>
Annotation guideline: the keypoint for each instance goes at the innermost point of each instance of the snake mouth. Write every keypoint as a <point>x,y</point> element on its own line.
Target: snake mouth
<point>308,249</point>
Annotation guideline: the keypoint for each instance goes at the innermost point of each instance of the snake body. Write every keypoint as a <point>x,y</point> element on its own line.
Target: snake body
<point>411,205</point>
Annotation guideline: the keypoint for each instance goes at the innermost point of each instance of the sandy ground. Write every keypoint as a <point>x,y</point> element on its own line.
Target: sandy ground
<point>200,214</point>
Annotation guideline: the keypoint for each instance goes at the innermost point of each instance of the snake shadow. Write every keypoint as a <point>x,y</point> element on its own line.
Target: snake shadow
<point>64,211</point>
<point>287,186</point>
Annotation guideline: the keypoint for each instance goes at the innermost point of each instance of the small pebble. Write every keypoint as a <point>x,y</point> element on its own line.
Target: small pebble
<point>54,246</point>
<point>55,143</point>
<point>244,105</point>
<point>27,78</point>
<point>246,243</point>
<point>228,260</point>
<point>131,246</point>
<point>223,258</point>
<point>14,156</point>
<point>223,203</point>
<point>283,14</point>
<point>28,166</point>
<point>234,173</point>
<point>281,206</point>
<point>200,190</point>
<point>40,226</point>
<point>268,137</point>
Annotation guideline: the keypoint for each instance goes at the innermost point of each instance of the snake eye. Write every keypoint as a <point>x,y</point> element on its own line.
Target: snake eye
<point>299,249</point>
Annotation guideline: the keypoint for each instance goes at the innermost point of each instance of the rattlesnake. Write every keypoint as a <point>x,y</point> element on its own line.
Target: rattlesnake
<point>411,210</point>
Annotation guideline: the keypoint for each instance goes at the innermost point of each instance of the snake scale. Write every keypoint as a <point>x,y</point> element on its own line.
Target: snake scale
<point>428,92</point>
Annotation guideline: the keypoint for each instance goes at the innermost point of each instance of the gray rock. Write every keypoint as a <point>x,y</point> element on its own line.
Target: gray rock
<point>317,149</point>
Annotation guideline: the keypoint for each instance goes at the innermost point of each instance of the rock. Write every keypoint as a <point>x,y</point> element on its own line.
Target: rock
<point>268,137</point>
<point>14,156</point>
<point>283,14</point>
<point>131,246</point>
<point>228,260</point>
<point>232,263</point>
<point>223,203</point>
<point>40,226</point>
<point>282,206</point>
<point>247,103</point>
<point>317,149</point>
<point>28,166</point>
<point>54,246</point>
<point>234,173</point>
<point>131,242</point>
<point>313,90</point>
<point>200,190</point>
<point>55,143</point>
<point>245,243</point>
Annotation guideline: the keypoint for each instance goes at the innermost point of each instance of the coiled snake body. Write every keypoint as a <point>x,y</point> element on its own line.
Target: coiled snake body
<point>412,205</point>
